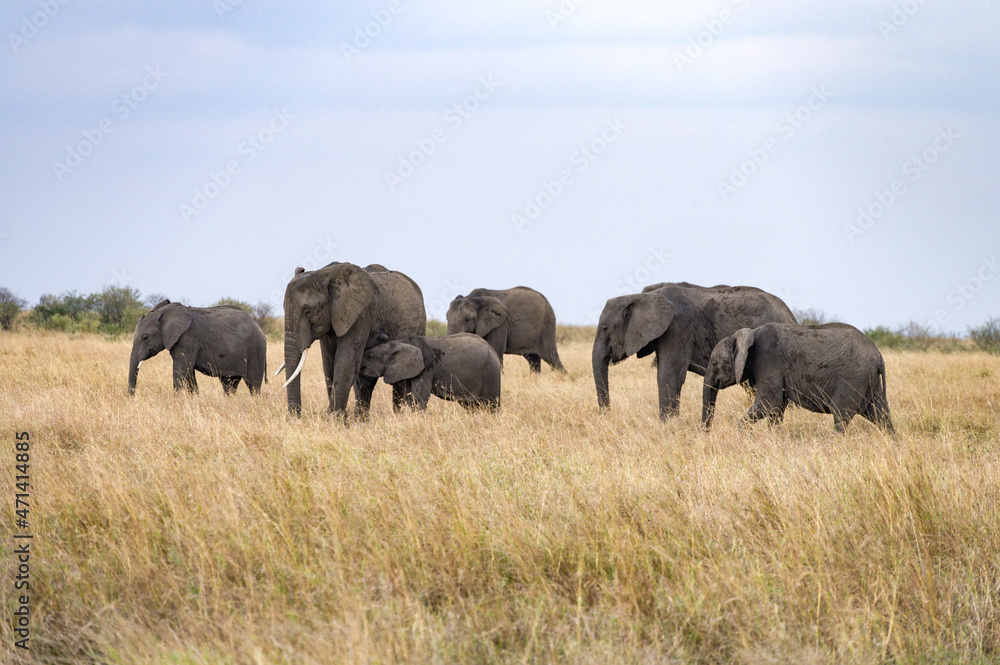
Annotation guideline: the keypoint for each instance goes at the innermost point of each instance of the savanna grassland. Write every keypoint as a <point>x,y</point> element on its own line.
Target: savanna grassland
<point>178,529</point>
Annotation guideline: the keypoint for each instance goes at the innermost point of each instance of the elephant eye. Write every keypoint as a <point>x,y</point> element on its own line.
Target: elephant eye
<point>604,327</point>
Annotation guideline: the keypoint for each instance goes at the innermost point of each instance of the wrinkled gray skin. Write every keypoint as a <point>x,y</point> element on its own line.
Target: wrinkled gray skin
<point>462,368</point>
<point>220,341</point>
<point>681,324</point>
<point>346,307</point>
<point>832,368</point>
<point>518,321</point>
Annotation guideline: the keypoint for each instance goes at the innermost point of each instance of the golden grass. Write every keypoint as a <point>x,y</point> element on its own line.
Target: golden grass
<point>206,529</point>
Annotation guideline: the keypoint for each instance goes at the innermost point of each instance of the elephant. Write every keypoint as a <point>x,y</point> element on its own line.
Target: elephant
<point>681,324</point>
<point>519,321</point>
<point>831,368</point>
<point>346,308</point>
<point>219,341</point>
<point>462,367</point>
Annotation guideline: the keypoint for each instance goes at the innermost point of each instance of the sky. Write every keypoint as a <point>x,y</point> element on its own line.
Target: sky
<point>839,155</point>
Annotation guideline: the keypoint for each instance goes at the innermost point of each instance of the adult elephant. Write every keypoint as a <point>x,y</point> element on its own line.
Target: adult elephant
<point>681,324</point>
<point>518,321</point>
<point>219,341</point>
<point>346,308</point>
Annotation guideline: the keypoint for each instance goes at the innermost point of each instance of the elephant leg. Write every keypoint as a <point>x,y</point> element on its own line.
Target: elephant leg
<point>184,373</point>
<point>877,412</point>
<point>534,362</point>
<point>840,420</point>
<point>769,404</point>
<point>346,364</point>
<point>670,375</point>
<point>229,384</point>
<point>550,354</point>
<point>328,349</point>
<point>363,389</point>
<point>253,384</point>
<point>399,395</point>
<point>421,389</point>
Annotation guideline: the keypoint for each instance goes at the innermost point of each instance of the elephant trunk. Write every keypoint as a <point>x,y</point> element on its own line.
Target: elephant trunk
<point>295,345</point>
<point>709,394</point>
<point>601,360</point>
<point>133,370</point>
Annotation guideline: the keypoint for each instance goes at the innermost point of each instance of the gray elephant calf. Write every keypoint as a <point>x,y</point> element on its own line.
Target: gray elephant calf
<point>220,341</point>
<point>461,368</point>
<point>832,368</point>
<point>518,321</point>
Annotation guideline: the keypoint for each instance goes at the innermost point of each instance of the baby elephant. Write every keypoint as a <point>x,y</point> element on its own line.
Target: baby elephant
<point>221,341</point>
<point>462,368</point>
<point>833,368</point>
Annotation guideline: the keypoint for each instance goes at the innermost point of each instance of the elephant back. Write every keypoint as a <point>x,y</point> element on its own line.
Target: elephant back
<point>400,309</point>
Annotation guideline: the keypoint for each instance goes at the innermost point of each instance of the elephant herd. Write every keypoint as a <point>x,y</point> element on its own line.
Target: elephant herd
<point>370,323</point>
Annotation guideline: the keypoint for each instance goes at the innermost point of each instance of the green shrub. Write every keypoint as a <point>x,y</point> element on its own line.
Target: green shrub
<point>436,328</point>
<point>987,336</point>
<point>113,311</point>
<point>263,314</point>
<point>913,336</point>
<point>233,302</point>
<point>811,317</point>
<point>114,304</point>
<point>10,307</point>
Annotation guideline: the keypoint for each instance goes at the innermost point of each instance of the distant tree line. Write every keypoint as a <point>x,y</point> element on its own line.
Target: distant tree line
<point>113,311</point>
<point>116,309</point>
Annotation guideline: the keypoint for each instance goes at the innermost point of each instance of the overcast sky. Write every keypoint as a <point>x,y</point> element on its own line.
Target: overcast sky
<point>841,155</point>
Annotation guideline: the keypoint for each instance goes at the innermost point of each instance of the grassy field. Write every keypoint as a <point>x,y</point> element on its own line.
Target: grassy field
<point>206,529</point>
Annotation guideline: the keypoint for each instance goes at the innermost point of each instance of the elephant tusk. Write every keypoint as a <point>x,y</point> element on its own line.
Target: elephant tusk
<point>138,365</point>
<point>302,361</point>
<point>279,369</point>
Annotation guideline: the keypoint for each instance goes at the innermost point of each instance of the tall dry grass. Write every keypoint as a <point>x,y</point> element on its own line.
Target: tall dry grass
<point>206,529</point>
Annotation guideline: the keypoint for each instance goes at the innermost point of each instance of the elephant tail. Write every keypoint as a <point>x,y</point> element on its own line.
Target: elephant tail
<point>880,403</point>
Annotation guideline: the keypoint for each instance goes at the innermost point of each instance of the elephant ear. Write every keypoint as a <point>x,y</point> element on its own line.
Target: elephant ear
<point>405,363</point>
<point>351,291</point>
<point>492,313</point>
<point>648,317</point>
<point>173,323</point>
<point>742,341</point>
<point>162,303</point>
